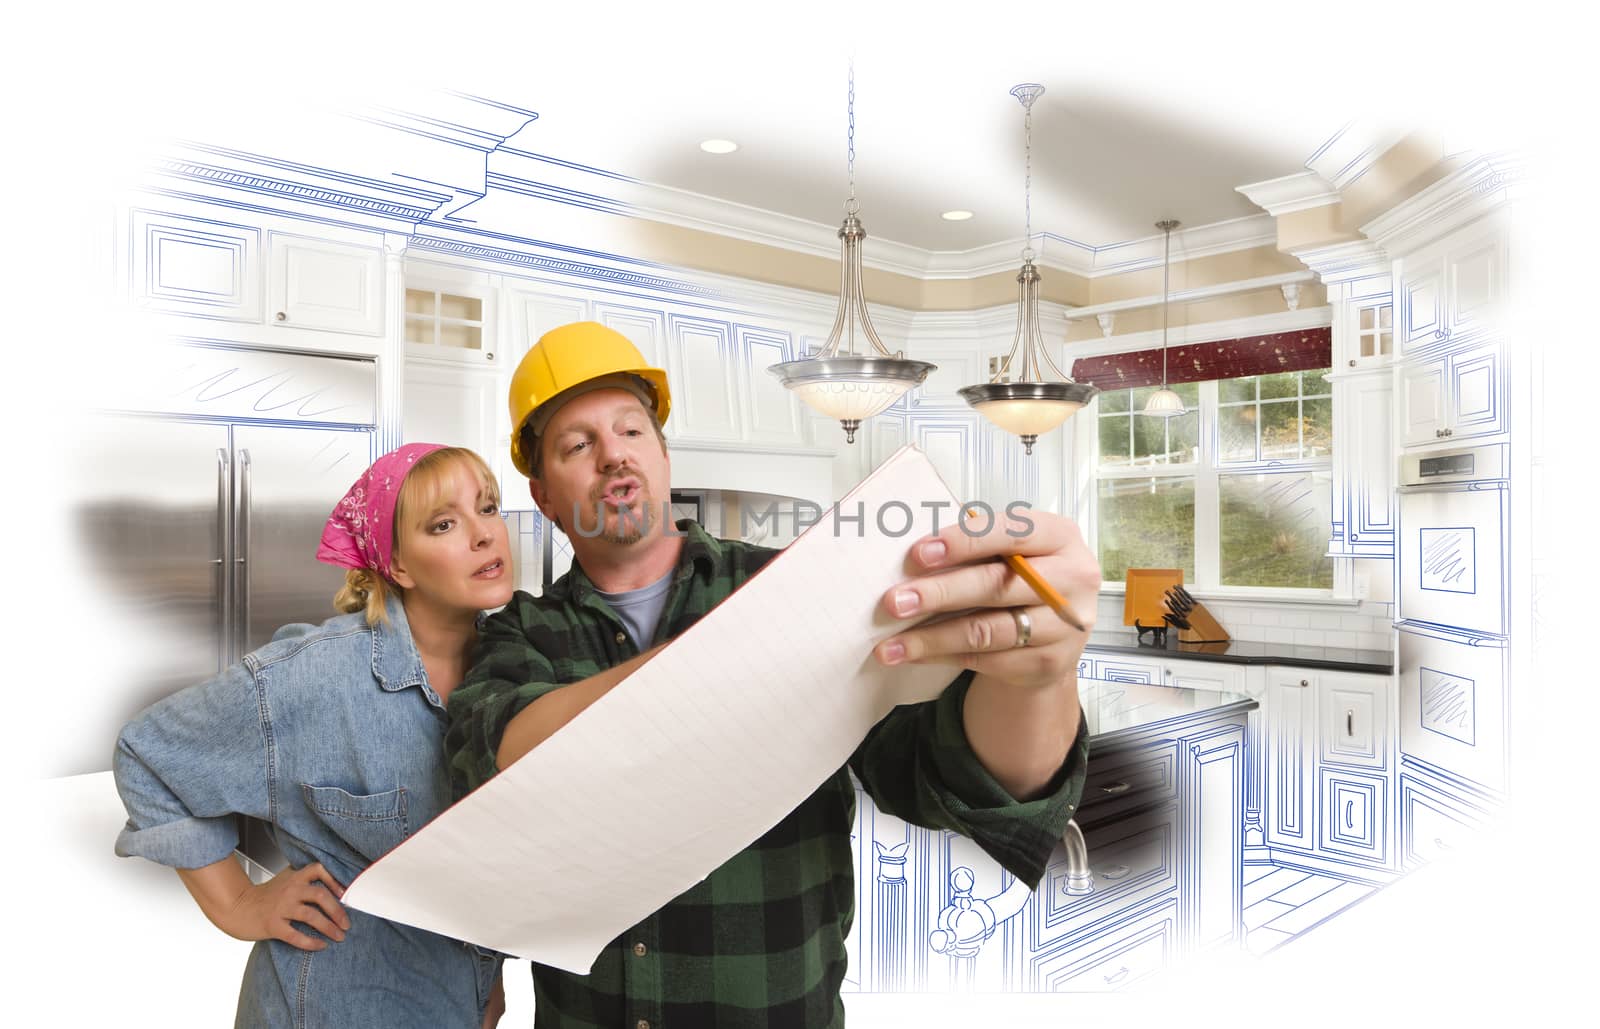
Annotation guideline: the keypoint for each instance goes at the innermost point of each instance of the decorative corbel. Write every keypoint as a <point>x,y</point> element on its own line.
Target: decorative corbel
<point>1291,294</point>
<point>1107,321</point>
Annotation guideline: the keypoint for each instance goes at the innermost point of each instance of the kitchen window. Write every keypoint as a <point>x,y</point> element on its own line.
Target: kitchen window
<point>1236,491</point>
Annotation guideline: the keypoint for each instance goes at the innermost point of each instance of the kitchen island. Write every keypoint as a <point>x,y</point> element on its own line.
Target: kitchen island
<point>1160,876</point>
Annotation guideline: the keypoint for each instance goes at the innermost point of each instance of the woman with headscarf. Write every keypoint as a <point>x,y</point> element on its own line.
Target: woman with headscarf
<point>333,736</point>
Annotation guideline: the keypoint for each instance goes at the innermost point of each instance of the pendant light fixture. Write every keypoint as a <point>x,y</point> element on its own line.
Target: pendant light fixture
<point>837,381</point>
<point>1032,405</point>
<point>1164,403</point>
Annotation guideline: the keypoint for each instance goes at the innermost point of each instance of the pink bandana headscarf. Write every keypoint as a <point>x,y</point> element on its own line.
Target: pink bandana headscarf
<point>360,532</point>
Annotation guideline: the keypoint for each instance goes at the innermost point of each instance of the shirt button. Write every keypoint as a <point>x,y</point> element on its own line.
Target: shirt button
<point>622,637</point>
<point>640,950</point>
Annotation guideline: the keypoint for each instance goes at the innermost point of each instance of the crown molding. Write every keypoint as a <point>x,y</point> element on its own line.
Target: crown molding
<point>1478,188</point>
<point>1342,261</point>
<point>1053,252</point>
<point>1189,296</point>
<point>1356,147</point>
<point>1289,193</point>
<point>453,117</point>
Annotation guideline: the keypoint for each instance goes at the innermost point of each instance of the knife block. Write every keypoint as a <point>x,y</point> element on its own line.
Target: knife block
<point>1203,627</point>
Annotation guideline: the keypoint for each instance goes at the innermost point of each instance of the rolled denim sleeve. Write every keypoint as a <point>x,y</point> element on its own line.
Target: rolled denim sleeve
<point>918,765</point>
<point>187,765</point>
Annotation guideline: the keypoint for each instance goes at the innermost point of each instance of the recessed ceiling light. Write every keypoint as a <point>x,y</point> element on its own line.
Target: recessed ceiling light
<point>719,146</point>
<point>956,216</point>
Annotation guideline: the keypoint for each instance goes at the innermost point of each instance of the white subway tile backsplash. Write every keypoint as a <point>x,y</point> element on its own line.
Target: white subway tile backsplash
<point>1296,619</point>
<point>1325,619</point>
<point>1275,635</point>
<point>1309,637</point>
<point>1341,638</point>
<point>1266,616</point>
<point>1375,640</point>
<point>1355,623</point>
<point>1246,631</point>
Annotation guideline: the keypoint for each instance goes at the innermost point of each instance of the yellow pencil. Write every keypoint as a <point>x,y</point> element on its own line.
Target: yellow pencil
<point>1046,592</point>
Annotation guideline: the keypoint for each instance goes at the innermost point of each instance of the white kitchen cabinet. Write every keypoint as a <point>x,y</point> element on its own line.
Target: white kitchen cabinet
<point>325,285</point>
<point>1363,465</point>
<point>1329,764</point>
<point>1454,289</point>
<point>1290,768</point>
<point>1204,675</point>
<point>201,267</point>
<point>702,372</point>
<point>451,315</point>
<point>1456,395</point>
<point>458,405</point>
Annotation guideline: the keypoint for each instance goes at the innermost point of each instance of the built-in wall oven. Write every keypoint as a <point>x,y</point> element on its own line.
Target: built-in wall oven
<point>1453,552</point>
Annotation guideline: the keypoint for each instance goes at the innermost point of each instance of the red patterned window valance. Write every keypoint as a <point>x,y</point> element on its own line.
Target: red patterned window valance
<point>1218,359</point>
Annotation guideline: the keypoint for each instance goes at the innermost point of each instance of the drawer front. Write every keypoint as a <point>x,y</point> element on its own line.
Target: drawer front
<point>1354,726</point>
<point>1354,815</point>
<point>1129,780</point>
<point>1132,861</point>
<point>1124,954</point>
<point>1432,824</point>
<point>1116,669</point>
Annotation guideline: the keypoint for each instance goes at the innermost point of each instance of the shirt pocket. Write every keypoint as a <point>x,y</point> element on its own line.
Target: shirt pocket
<point>371,824</point>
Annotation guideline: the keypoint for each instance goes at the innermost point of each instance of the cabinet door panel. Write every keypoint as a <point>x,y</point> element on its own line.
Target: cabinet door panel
<point>1354,721</point>
<point>1423,415</point>
<point>1354,815</point>
<point>202,268</point>
<point>701,367</point>
<point>1421,310</point>
<point>1432,823</point>
<point>1291,700</point>
<point>1475,389</point>
<point>1370,498</point>
<point>332,287</point>
<point>1476,286</point>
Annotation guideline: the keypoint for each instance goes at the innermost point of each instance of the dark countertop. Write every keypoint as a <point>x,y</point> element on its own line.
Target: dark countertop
<point>1245,652</point>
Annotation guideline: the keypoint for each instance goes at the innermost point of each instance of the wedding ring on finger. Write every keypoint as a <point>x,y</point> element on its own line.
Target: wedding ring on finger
<point>1024,626</point>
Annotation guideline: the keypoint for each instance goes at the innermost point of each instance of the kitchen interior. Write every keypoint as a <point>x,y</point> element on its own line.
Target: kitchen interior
<point>1281,385</point>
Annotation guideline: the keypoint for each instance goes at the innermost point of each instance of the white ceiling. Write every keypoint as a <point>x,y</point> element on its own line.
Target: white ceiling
<point>1149,112</point>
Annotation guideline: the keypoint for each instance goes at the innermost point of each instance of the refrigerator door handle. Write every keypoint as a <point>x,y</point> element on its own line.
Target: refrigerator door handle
<point>224,595</point>
<point>242,549</point>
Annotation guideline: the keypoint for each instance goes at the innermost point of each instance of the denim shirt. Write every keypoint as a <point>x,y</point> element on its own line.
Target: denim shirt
<point>332,735</point>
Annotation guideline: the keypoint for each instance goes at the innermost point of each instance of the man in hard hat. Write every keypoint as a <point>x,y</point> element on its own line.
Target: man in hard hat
<point>1000,756</point>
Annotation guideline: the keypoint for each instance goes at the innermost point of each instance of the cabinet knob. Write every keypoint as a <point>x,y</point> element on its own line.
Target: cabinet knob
<point>1305,682</point>
<point>282,317</point>
<point>1449,432</point>
<point>1352,362</point>
<point>488,357</point>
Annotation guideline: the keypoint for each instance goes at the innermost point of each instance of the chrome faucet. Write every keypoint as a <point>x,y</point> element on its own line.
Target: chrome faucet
<point>1079,878</point>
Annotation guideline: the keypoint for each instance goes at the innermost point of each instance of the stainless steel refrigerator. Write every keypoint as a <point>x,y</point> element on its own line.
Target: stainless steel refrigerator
<point>198,508</point>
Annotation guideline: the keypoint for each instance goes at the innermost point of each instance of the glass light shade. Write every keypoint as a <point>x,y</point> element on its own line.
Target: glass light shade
<point>1028,409</point>
<point>851,389</point>
<point>1164,403</point>
<point>1027,417</point>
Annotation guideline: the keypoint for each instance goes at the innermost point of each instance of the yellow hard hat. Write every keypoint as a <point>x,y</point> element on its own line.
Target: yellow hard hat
<point>570,356</point>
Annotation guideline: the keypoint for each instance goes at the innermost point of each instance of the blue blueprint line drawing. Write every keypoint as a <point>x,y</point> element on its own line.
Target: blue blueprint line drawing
<point>1448,556</point>
<point>1448,704</point>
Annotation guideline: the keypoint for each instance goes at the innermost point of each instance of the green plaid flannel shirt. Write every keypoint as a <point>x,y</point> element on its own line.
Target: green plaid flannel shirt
<point>761,941</point>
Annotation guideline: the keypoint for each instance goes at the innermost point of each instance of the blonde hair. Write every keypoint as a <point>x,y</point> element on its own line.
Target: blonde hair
<point>424,488</point>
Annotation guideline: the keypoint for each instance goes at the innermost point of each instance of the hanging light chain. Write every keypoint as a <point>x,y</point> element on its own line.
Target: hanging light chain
<point>851,207</point>
<point>1027,181</point>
